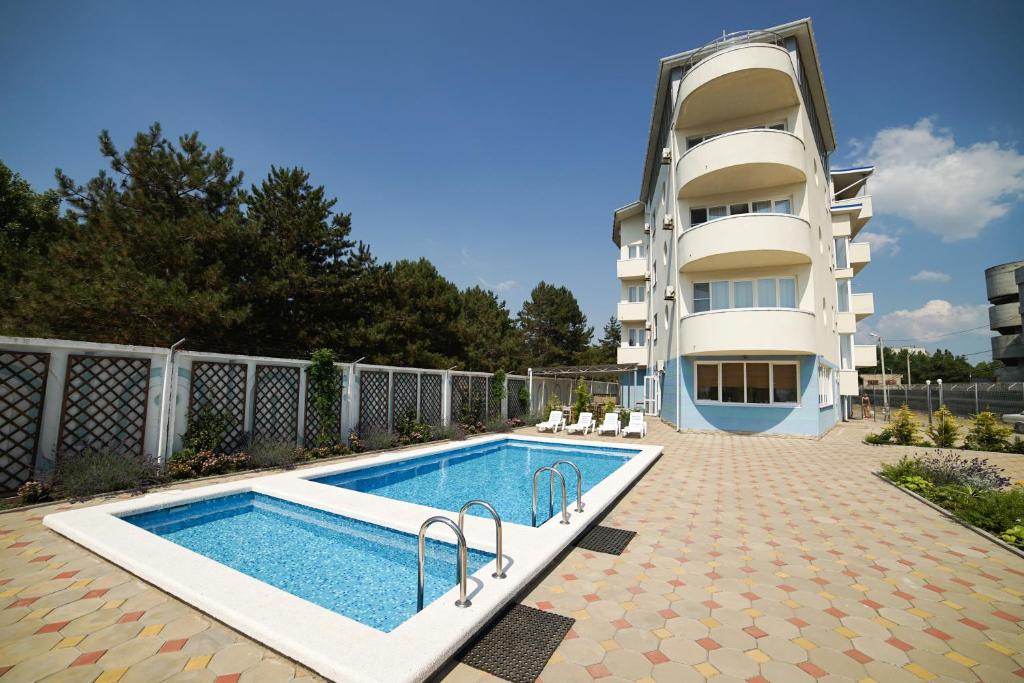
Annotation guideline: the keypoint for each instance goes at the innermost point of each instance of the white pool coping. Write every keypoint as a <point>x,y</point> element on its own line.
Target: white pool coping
<point>335,646</point>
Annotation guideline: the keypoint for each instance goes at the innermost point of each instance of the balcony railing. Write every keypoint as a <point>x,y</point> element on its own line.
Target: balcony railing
<point>728,40</point>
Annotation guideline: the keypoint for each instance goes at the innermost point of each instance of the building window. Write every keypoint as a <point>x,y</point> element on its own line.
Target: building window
<point>635,294</point>
<point>842,255</point>
<point>846,351</point>
<point>636,251</point>
<point>769,293</point>
<point>654,334</point>
<point>636,336</point>
<point>747,382</point>
<point>843,296</point>
<point>824,386</point>
<point>704,214</point>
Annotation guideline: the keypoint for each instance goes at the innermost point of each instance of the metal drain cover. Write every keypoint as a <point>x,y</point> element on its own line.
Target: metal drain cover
<point>606,539</point>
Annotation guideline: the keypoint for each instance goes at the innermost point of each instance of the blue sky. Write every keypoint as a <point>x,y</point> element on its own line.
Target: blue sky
<point>496,138</point>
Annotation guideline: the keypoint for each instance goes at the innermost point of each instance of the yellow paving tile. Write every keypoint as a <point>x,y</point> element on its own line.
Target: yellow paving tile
<point>706,670</point>
<point>111,676</point>
<point>846,632</point>
<point>804,643</point>
<point>198,662</point>
<point>960,659</point>
<point>921,672</point>
<point>758,656</point>
<point>151,630</point>
<point>1000,648</point>
<point>70,641</point>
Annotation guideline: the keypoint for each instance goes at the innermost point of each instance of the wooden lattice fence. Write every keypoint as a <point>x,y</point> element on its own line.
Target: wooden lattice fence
<point>374,398</point>
<point>22,394</point>
<point>105,404</point>
<point>275,412</point>
<point>431,391</point>
<point>516,408</point>
<point>220,387</point>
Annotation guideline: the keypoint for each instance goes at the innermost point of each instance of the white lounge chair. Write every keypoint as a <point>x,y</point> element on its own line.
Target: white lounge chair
<point>584,424</point>
<point>554,423</point>
<point>610,424</point>
<point>636,425</point>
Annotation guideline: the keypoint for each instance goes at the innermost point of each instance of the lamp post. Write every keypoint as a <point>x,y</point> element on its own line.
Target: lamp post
<point>885,386</point>
<point>928,389</point>
<point>939,382</point>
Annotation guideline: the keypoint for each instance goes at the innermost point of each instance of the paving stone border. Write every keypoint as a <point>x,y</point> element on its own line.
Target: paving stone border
<point>981,532</point>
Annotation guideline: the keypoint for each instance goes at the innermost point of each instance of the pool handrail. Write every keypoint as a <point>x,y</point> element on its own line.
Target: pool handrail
<point>551,495</point>
<point>460,565</point>
<point>498,572</point>
<point>579,482</point>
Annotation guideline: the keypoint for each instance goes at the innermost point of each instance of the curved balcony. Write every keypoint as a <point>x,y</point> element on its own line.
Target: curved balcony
<point>1001,282</point>
<point>746,241</point>
<point>740,161</point>
<point>1008,347</point>
<point>748,331</point>
<point>1005,318</point>
<point>740,81</point>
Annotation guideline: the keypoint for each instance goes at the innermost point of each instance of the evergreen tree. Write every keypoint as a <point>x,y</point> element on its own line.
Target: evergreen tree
<point>489,338</point>
<point>605,352</point>
<point>29,223</point>
<point>554,328</point>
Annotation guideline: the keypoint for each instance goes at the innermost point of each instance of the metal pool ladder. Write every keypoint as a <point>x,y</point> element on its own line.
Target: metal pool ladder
<point>551,495</point>
<point>579,482</point>
<point>463,601</point>
<point>498,572</point>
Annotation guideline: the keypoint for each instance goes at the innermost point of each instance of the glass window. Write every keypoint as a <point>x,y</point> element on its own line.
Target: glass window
<point>698,216</point>
<point>842,257</point>
<point>763,207</point>
<point>787,292</point>
<point>637,336</point>
<point>732,382</point>
<point>846,351</point>
<point>843,296</point>
<point>636,294</point>
<point>744,294</point>
<point>717,212</point>
<point>707,382</point>
<point>719,295</point>
<point>694,141</point>
<point>782,206</point>
<point>637,251</point>
<point>778,126</point>
<point>766,293</point>
<point>701,297</point>
<point>735,209</point>
<point>758,384</point>
<point>784,383</point>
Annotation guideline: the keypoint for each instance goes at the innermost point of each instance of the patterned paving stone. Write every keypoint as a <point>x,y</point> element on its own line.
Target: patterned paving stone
<point>787,554</point>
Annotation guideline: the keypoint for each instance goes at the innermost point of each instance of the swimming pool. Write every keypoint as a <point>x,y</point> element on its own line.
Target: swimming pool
<point>360,570</point>
<point>325,574</point>
<point>500,472</point>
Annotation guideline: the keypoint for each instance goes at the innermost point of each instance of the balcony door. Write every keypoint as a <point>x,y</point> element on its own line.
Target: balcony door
<point>652,394</point>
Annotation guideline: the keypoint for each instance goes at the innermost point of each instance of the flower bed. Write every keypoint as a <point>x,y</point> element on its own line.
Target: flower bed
<point>986,433</point>
<point>972,489</point>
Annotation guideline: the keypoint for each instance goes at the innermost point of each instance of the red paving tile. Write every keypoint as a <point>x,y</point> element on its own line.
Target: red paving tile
<point>131,616</point>
<point>88,658</point>
<point>656,657</point>
<point>173,645</point>
<point>52,627</point>
<point>755,632</point>
<point>813,669</point>
<point>708,644</point>
<point>858,656</point>
<point>598,671</point>
<point>227,678</point>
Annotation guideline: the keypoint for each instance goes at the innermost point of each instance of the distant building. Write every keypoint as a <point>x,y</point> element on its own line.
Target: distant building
<point>1005,286</point>
<point>891,380</point>
<point>911,349</point>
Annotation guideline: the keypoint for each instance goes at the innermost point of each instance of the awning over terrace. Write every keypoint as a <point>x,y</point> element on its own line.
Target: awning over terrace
<point>584,370</point>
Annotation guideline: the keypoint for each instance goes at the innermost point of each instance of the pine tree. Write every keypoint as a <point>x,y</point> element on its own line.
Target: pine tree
<point>554,328</point>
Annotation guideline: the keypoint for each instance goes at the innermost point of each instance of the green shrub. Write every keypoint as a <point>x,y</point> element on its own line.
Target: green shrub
<point>32,492</point>
<point>916,484</point>
<point>583,398</point>
<point>904,467</point>
<point>103,470</point>
<point>879,439</point>
<point>994,511</point>
<point>323,394</point>
<point>554,403</point>
<point>273,453</point>
<point>988,433</point>
<point>903,428</point>
<point>524,398</point>
<point>188,464</point>
<point>498,385</point>
<point>206,428</point>
<point>1014,535</point>
<point>452,432</point>
<point>377,439</point>
<point>1017,446</point>
<point>953,497</point>
<point>411,430</point>
<point>944,430</point>
<point>320,452</point>
<point>953,468</point>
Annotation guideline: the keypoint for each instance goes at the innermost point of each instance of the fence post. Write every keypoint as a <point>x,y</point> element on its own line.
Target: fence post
<point>976,410</point>
<point>928,398</point>
<point>504,398</point>
<point>446,398</point>
<point>391,400</point>
<point>529,376</point>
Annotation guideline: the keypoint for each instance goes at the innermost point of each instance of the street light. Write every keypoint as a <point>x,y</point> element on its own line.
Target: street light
<point>885,387</point>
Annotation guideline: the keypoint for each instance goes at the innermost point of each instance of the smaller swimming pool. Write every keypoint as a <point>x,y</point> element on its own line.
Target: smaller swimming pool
<point>500,472</point>
<point>361,570</point>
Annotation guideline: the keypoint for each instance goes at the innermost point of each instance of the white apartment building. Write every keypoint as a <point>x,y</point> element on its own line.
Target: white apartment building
<point>736,264</point>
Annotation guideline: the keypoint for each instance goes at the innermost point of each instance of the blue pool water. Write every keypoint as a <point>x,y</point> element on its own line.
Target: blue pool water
<point>360,570</point>
<point>500,472</point>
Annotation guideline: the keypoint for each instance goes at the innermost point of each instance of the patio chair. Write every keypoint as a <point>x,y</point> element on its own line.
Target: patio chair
<point>636,425</point>
<point>584,424</point>
<point>610,424</point>
<point>554,422</point>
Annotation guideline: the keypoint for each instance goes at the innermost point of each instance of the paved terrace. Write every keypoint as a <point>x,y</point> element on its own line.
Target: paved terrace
<point>757,559</point>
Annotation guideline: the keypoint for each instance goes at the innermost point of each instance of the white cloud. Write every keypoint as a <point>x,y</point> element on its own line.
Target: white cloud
<point>499,287</point>
<point>882,243</point>
<point>930,276</point>
<point>954,192</point>
<point>934,319</point>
